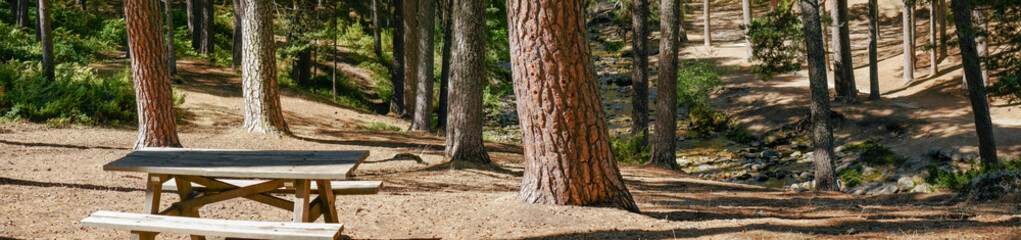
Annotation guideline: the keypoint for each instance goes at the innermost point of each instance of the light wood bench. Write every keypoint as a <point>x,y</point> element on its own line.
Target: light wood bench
<point>339,187</point>
<point>147,223</point>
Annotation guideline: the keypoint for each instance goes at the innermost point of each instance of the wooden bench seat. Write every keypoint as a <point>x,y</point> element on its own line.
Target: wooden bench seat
<point>147,223</point>
<point>339,187</point>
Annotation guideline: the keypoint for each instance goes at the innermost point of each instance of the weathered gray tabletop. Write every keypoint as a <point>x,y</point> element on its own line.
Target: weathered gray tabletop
<point>287,169</point>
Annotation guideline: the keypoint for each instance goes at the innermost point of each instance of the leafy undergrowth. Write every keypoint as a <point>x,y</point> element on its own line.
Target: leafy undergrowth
<point>630,150</point>
<point>379,126</point>
<point>954,178</point>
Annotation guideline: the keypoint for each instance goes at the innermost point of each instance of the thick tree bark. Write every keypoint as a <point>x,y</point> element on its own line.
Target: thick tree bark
<point>397,71</point>
<point>822,129</point>
<point>664,137</point>
<point>157,126</point>
<point>259,71</point>
<point>933,43</point>
<point>567,146</point>
<point>746,12</point>
<point>707,23</point>
<point>976,88</point>
<point>424,94</point>
<point>873,53</point>
<point>640,71</point>
<point>441,112</point>
<point>238,6</point>
<point>411,56</point>
<point>171,61</point>
<point>206,45</point>
<point>909,50</point>
<point>468,75</point>
<point>46,38</point>
<point>843,67</point>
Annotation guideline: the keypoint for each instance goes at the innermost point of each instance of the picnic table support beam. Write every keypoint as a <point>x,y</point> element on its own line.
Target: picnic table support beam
<point>184,190</point>
<point>327,200</point>
<point>301,201</point>
<point>153,188</point>
<point>218,186</point>
<point>230,194</point>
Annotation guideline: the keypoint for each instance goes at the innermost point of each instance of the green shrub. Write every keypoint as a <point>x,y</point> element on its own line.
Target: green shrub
<point>630,150</point>
<point>874,152</point>
<point>954,178</point>
<point>705,119</point>
<point>379,126</point>
<point>740,135</point>
<point>114,31</point>
<point>778,41</point>
<point>17,43</point>
<point>851,176</point>
<point>695,81</point>
<point>613,46</point>
<point>1007,88</point>
<point>76,96</point>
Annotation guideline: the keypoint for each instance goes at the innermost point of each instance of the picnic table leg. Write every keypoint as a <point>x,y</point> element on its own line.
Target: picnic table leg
<point>327,201</point>
<point>184,190</point>
<point>153,188</point>
<point>301,201</point>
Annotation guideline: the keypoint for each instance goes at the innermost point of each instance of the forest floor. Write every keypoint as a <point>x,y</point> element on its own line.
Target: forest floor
<point>51,178</point>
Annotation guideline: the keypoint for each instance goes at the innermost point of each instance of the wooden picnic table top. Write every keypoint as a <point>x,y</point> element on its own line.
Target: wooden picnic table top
<point>323,165</point>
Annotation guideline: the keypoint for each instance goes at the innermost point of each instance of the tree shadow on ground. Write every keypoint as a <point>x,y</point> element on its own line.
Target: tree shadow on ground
<point>10,181</point>
<point>57,145</point>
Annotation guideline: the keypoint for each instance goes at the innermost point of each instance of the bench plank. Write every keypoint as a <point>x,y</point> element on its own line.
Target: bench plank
<point>213,227</point>
<point>339,187</point>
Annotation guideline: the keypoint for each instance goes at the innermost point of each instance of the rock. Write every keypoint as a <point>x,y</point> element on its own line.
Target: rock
<point>805,175</point>
<point>796,154</point>
<point>883,190</point>
<point>770,153</point>
<point>921,188</point>
<point>866,170</point>
<point>760,177</point>
<point>794,186</point>
<point>756,167</point>
<point>993,185</point>
<point>840,154</point>
<point>751,155</point>
<point>905,184</point>
<point>809,155</point>
<point>408,156</point>
<point>808,185</point>
<point>840,148</point>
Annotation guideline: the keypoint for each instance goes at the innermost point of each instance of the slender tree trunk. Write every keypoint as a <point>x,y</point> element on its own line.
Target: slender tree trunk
<point>843,67</point>
<point>468,75</point>
<point>981,45</point>
<point>376,44</point>
<point>259,71</point>
<point>397,71</point>
<point>195,22</point>
<point>411,56</point>
<point>933,43</point>
<point>909,63</point>
<point>206,46</point>
<point>333,72</point>
<point>664,142</point>
<point>157,126</point>
<point>681,28</point>
<point>746,12</point>
<point>81,4</point>
<point>171,61</point>
<point>822,129</point>
<point>14,10</point>
<point>942,16</point>
<point>706,12</point>
<point>640,71</point>
<point>873,53</point>
<point>567,145</point>
<point>976,87</point>
<point>424,95</point>
<point>46,37</point>
<point>301,24</point>
<point>447,14</point>
<point>22,14</point>
<point>236,60</point>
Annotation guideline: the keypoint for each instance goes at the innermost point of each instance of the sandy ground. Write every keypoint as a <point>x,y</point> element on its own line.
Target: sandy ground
<point>51,178</point>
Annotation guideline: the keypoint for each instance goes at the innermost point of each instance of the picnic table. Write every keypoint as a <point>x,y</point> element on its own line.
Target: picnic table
<point>202,177</point>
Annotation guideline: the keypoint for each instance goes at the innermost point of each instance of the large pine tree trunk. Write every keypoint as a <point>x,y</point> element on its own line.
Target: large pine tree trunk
<point>664,142</point>
<point>746,12</point>
<point>933,43</point>
<point>171,61</point>
<point>411,55</point>
<point>468,75</point>
<point>157,126</point>
<point>206,45</point>
<point>909,51</point>
<point>441,112</point>
<point>397,71</point>
<point>238,6</point>
<point>46,38</point>
<point>259,71</point>
<point>822,128</point>
<point>976,87</point>
<point>707,23</point>
<point>567,145</point>
<point>640,71</point>
<point>843,68</point>
<point>424,94</point>
<point>873,51</point>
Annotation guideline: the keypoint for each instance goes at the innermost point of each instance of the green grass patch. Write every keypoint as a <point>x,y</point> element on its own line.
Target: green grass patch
<point>613,46</point>
<point>379,126</point>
